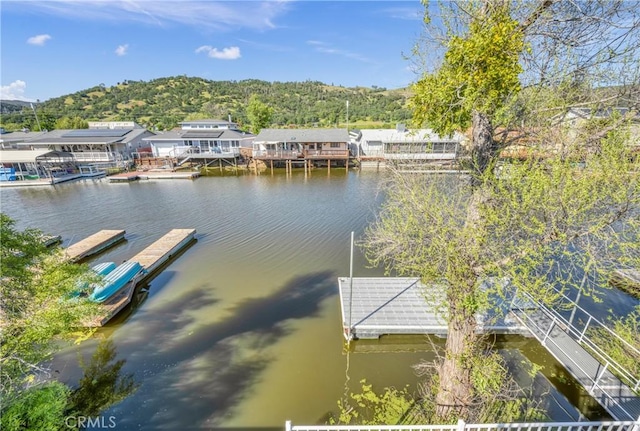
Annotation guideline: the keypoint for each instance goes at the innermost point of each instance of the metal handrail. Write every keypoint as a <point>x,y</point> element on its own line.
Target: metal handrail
<point>581,338</point>
<point>462,426</point>
<point>594,381</point>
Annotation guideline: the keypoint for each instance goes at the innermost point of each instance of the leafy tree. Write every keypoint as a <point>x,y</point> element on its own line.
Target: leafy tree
<point>71,123</point>
<point>33,312</point>
<point>259,114</point>
<point>41,408</point>
<point>542,222</point>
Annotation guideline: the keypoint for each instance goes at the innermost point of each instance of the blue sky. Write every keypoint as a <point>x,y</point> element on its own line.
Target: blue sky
<point>52,48</point>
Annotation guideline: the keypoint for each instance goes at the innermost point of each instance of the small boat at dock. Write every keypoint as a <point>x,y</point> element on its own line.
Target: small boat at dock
<point>115,280</point>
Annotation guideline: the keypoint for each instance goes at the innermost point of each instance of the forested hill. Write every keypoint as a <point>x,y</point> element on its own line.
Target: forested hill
<point>163,102</point>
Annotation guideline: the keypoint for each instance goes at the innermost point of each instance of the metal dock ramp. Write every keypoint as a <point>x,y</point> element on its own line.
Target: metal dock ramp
<point>568,340</point>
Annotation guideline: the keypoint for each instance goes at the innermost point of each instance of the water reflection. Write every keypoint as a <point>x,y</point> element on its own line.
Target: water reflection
<point>211,370</point>
<point>103,383</point>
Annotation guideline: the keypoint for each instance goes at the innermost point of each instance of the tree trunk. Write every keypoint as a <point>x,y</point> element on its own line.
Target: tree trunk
<point>455,391</point>
<point>483,147</point>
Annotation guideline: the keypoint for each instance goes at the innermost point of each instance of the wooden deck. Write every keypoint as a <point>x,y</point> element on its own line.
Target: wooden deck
<point>124,177</point>
<point>151,259</point>
<point>93,244</point>
<point>397,305</point>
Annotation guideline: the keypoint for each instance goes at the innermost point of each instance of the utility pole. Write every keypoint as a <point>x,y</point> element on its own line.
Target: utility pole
<point>36,114</point>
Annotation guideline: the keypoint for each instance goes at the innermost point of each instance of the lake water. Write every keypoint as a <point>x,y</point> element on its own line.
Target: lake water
<point>243,329</point>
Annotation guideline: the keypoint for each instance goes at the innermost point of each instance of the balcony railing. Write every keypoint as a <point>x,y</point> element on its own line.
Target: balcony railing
<point>277,154</point>
<point>94,156</point>
<point>326,154</point>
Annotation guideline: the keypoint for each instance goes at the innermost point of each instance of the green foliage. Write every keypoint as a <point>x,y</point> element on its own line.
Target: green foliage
<point>628,328</point>
<point>71,123</point>
<point>41,408</point>
<point>373,409</point>
<point>33,313</point>
<point>163,102</point>
<point>479,72</point>
<point>538,225</point>
<point>258,114</point>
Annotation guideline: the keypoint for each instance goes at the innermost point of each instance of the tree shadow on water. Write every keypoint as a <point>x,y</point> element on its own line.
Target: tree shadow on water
<point>202,377</point>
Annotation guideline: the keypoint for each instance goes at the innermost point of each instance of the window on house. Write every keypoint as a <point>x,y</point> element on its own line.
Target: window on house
<point>335,145</point>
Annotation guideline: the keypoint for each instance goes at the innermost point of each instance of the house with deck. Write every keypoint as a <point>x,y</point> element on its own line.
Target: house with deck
<point>202,139</point>
<point>104,144</point>
<point>405,145</point>
<point>312,146</point>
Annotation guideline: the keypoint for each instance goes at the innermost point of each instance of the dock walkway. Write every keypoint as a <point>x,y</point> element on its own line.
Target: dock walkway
<point>569,341</point>
<point>93,244</point>
<point>151,259</point>
<point>376,306</point>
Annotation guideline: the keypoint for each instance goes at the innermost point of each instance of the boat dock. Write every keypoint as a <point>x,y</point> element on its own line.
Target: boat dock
<point>376,306</point>
<point>151,259</point>
<point>93,244</point>
<point>153,175</point>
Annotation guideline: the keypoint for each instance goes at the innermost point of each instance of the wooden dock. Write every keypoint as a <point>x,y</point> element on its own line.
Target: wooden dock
<point>151,259</point>
<point>124,177</point>
<point>375,306</point>
<point>93,244</point>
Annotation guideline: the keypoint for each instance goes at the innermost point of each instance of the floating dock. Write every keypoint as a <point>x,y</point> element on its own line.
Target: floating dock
<point>124,177</point>
<point>94,244</point>
<point>153,175</point>
<point>151,259</point>
<point>376,306</point>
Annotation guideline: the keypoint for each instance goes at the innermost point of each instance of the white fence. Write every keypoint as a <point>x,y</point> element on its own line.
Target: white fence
<point>462,426</point>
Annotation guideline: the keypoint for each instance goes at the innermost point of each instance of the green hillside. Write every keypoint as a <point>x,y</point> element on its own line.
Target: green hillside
<point>162,103</point>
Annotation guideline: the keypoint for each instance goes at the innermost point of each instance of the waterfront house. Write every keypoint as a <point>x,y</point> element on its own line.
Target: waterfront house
<point>201,139</point>
<point>307,144</point>
<point>404,144</point>
<point>103,143</point>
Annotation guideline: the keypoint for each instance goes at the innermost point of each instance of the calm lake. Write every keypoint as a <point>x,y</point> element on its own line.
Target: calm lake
<point>243,329</point>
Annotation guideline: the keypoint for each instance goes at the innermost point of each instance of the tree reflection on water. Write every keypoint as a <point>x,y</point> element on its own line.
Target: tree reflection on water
<point>103,383</point>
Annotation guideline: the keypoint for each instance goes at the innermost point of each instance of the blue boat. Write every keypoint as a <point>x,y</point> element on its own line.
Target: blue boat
<point>102,269</point>
<point>116,280</point>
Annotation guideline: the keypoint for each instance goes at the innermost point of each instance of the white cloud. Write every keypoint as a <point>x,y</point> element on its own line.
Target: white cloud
<point>39,40</point>
<point>14,91</point>
<point>216,15</point>
<point>122,50</point>
<point>405,13</point>
<point>231,53</point>
<point>325,48</point>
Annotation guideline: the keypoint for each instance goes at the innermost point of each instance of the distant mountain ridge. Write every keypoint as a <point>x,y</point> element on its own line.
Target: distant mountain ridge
<point>162,103</point>
<point>8,106</point>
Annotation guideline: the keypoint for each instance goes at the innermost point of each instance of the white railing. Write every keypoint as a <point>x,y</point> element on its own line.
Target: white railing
<point>94,156</point>
<point>277,154</point>
<point>462,426</point>
<point>578,330</point>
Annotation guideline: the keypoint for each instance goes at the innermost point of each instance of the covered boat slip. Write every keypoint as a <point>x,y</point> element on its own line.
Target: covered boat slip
<point>375,306</point>
<point>151,260</point>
